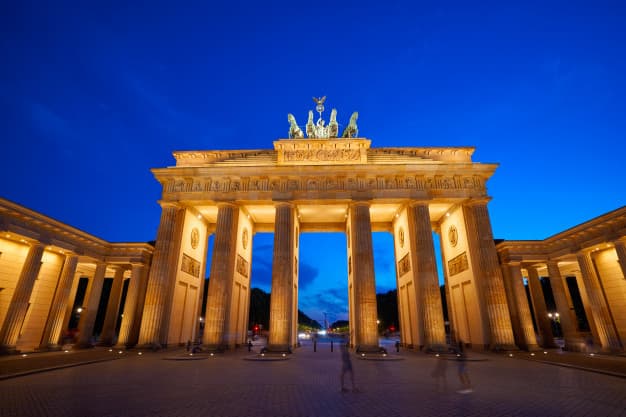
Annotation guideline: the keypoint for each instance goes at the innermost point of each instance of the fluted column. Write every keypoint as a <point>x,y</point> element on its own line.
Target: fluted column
<point>18,306</point>
<point>107,337</point>
<point>221,278</point>
<point>599,308</point>
<point>620,248</point>
<point>54,324</point>
<point>567,317</point>
<point>522,321</point>
<point>132,314</point>
<point>364,283</point>
<point>425,277</point>
<point>281,302</point>
<point>488,274</point>
<point>90,309</point>
<point>153,332</point>
<point>539,306</point>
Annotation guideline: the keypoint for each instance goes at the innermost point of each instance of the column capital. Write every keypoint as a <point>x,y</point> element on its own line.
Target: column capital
<point>169,204</point>
<point>417,203</point>
<point>283,203</point>
<point>365,203</point>
<point>620,241</point>
<point>226,204</point>
<point>480,201</point>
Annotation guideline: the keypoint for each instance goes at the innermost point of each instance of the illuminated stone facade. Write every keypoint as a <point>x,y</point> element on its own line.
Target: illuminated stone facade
<point>41,263</point>
<point>585,268</point>
<point>312,185</point>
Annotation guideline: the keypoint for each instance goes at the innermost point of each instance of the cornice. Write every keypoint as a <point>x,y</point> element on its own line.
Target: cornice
<point>606,228</point>
<point>25,222</point>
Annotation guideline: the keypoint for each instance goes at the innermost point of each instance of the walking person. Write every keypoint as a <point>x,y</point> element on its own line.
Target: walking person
<point>346,367</point>
<point>440,374</point>
<point>461,358</point>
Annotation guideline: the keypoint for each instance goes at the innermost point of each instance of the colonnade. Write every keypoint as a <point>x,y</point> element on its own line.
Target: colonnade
<point>41,304</point>
<point>487,299</point>
<point>42,263</point>
<point>596,270</point>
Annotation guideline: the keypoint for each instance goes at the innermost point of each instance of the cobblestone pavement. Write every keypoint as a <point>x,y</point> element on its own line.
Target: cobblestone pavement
<point>307,384</point>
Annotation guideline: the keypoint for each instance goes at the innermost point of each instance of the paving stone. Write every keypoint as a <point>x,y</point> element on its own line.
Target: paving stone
<point>308,385</point>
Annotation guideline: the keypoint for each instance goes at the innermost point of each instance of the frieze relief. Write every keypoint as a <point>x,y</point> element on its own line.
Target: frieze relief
<point>242,266</point>
<point>323,155</point>
<point>404,265</point>
<point>324,183</point>
<point>458,264</point>
<point>190,265</point>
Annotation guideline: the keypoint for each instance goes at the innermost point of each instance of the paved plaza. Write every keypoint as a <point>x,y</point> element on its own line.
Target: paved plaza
<point>307,384</point>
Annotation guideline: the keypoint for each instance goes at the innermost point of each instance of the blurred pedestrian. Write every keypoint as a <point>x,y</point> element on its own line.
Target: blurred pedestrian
<point>346,367</point>
<point>461,358</point>
<point>440,374</point>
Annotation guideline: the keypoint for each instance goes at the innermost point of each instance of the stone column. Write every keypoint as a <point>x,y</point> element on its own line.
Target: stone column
<point>364,283</point>
<point>620,248</point>
<point>425,277</point>
<point>539,306</point>
<point>281,303</point>
<point>221,277</point>
<point>90,310</point>
<point>107,337</point>
<point>159,296</point>
<point>599,308</point>
<point>129,330</point>
<point>56,316</point>
<point>520,311</point>
<point>18,306</point>
<point>567,316</point>
<point>487,273</point>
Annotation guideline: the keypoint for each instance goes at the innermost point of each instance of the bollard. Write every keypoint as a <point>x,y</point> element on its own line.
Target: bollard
<point>398,347</point>
<point>331,345</point>
<point>249,345</point>
<point>315,346</point>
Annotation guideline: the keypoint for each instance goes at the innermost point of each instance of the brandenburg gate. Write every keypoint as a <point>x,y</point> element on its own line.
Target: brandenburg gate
<point>326,182</point>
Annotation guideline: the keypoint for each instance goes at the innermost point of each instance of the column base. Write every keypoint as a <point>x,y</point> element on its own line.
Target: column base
<point>504,348</point>
<point>369,349</point>
<point>49,348</point>
<point>217,348</point>
<point>9,350</point>
<point>281,348</point>
<point>436,348</point>
<point>151,346</point>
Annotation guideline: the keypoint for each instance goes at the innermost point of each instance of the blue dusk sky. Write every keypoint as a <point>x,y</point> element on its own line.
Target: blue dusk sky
<point>94,94</point>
